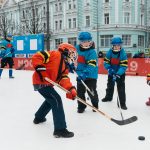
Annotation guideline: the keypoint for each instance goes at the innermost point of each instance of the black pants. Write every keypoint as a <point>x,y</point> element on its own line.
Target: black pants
<point>120,88</point>
<point>7,60</point>
<point>52,102</point>
<point>92,84</point>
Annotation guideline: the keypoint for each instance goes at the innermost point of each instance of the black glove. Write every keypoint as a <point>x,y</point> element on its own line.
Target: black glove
<point>39,70</point>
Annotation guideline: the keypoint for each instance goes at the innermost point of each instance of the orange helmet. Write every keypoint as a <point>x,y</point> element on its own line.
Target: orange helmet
<point>68,51</point>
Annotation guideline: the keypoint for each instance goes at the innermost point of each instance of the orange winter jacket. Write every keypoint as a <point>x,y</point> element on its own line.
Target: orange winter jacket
<point>55,66</point>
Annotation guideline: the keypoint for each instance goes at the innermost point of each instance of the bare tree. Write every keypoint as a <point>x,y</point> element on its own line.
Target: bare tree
<point>4,24</point>
<point>31,20</point>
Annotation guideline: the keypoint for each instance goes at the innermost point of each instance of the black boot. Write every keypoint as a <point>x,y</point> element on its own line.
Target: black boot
<point>105,99</point>
<point>64,133</point>
<point>37,120</point>
<point>124,107</point>
<point>81,110</point>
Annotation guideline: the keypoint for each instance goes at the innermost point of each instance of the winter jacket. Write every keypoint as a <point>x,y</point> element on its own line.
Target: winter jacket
<point>116,61</point>
<point>87,62</point>
<point>7,48</point>
<point>55,66</point>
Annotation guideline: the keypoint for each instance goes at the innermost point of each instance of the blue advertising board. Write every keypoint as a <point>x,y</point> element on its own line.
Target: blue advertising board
<point>27,45</point>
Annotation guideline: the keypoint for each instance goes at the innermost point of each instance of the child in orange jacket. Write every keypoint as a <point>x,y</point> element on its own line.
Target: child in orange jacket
<point>54,65</point>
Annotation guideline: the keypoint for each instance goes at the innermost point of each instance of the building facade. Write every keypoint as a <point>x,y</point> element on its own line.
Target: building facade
<point>129,19</point>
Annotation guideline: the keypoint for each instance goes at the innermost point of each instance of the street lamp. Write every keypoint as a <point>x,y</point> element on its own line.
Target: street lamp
<point>48,34</point>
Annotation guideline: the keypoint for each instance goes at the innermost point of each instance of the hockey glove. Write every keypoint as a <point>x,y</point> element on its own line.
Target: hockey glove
<point>148,79</point>
<point>111,72</point>
<point>71,67</point>
<point>116,77</point>
<point>72,93</point>
<point>39,69</point>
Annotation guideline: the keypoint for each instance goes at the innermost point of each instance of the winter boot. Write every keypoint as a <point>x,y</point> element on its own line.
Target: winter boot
<point>1,70</point>
<point>81,110</point>
<point>37,120</point>
<point>10,74</point>
<point>105,99</point>
<point>148,102</point>
<point>64,133</point>
<point>124,107</point>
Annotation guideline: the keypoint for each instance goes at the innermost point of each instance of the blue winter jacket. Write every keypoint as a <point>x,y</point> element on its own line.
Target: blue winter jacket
<point>7,48</point>
<point>116,61</point>
<point>87,62</point>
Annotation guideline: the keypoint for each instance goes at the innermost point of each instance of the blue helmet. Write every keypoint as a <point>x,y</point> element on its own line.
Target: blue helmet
<point>85,36</point>
<point>116,41</point>
<point>9,35</point>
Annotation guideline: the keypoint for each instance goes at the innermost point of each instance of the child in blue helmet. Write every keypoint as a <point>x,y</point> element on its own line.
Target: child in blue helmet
<point>87,69</point>
<point>116,64</point>
<point>7,55</point>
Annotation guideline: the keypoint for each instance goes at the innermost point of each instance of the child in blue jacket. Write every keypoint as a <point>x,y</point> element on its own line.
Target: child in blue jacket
<point>87,70</point>
<point>7,55</point>
<point>116,64</point>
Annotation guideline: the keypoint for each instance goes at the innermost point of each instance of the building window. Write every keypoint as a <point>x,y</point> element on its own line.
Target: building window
<point>126,18</point>
<point>106,17</point>
<point>69,4</point>
<point>74,23</point>
<point>69,23</point>
<point>141,40</point>
<point>72,41</point>
<point>87,21</point>
<point>60,6</point>
<point>127,0</point>
<point>36,11</point>
<point>23,14</point>
<point>142,19</point>
<point>105,40</point>
<point>56,7</point>
<point>106,1</point>
<point>57,42</point>
<point>74,4</point>
<point>60,24</point>
<point>44,26</point>
<point>56,25</point>
<point>126,40</point>
<point>142,1</point>
<point>87,2</point>
<point>44,10</point>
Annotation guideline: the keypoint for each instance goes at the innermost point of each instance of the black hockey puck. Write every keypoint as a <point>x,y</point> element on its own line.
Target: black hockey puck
<point>141,138</point>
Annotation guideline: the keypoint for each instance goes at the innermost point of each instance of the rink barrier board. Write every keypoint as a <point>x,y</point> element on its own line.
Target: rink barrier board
<point>136,66</point>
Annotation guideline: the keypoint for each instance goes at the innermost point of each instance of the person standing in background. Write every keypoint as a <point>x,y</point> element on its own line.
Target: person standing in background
<point>7,55</point>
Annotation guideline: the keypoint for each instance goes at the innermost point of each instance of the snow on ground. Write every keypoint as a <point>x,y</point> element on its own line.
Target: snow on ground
<point>18,103</point>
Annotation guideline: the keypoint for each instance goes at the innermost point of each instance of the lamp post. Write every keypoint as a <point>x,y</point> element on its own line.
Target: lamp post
<point>48,33</point>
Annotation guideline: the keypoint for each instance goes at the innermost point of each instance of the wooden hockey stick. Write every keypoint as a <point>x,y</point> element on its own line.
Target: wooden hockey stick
<point>119,122</point>
<point>87,88</point>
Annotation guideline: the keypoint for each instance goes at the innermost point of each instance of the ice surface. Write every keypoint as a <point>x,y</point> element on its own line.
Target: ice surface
<point>93,131</point>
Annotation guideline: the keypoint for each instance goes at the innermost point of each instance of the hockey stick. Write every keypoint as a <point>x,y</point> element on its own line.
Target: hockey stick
<point>91,92</point>
<point>119,122</point>
<point>21,67</point>
<point>118,102</point>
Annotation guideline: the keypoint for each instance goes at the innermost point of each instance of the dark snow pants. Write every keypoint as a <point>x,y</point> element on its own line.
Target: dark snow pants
<point>52,101</point>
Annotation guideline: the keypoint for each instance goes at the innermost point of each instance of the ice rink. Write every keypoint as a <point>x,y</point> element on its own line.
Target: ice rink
<point>93,131</point>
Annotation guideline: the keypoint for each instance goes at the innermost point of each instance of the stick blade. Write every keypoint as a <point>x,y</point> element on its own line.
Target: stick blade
<point>126,121</point>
